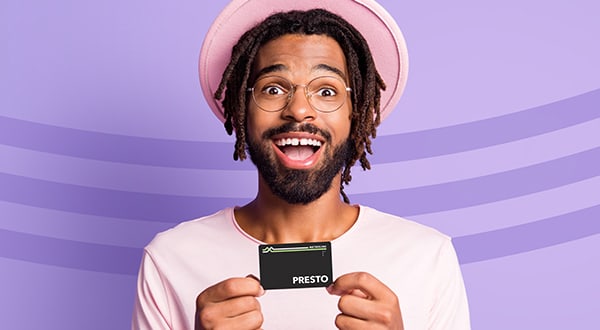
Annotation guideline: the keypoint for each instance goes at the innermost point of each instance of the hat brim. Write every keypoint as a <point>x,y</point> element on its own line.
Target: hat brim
<point>377,26</point>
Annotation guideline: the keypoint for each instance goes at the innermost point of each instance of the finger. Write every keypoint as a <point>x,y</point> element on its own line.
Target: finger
<point>355,306</point>
<point>346,322</point>
<point>238,306</point>
<point>230,288</point>
<point>235,309</point>
<point>364,309</point>
<point>365,282</point>
<point>251,320</point>
<point>358,293</point>
<point>355,292</point>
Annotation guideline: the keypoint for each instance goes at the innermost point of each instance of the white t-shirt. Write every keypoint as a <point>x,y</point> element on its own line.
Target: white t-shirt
<point>417,262</point>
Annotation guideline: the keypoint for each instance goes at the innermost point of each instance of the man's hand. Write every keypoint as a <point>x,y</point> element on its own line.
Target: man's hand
<point>230,304</point>
<point>365,303</point>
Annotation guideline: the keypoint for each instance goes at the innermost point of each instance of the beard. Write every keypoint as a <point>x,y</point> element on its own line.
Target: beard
<point>292,185</point>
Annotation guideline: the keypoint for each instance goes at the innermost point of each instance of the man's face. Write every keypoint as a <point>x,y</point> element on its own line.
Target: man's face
<point>299,150</point>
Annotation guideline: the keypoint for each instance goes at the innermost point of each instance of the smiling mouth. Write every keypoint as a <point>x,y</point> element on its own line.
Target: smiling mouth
<point>298,148</point>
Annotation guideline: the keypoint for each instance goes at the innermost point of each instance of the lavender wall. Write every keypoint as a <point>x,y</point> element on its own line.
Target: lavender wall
<point>105,140</point>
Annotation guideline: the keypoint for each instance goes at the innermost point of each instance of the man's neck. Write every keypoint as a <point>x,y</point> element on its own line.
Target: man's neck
<point>271,219</point>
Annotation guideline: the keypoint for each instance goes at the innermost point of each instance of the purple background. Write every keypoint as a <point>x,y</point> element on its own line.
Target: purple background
<point>105,140</point>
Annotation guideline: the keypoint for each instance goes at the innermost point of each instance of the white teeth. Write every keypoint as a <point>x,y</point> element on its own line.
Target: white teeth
<point>296,142</point>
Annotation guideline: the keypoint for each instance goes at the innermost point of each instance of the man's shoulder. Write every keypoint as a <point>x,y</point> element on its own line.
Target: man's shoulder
<point>197,229</point>
<point>389,224</point>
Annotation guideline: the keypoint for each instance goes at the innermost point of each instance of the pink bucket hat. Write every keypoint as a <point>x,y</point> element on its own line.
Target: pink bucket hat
<point>376,25</point>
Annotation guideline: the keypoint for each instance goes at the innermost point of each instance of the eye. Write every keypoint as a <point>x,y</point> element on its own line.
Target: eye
<point>273,90</point>
<point>326,92</point>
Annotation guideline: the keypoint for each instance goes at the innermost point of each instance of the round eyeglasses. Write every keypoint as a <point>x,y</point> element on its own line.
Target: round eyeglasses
<point>274,93</point>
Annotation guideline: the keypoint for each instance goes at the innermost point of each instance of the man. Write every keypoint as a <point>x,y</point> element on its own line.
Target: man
<point>302,93</point>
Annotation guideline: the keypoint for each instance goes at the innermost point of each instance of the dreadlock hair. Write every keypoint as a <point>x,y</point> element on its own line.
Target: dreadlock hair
<point>365,81</point>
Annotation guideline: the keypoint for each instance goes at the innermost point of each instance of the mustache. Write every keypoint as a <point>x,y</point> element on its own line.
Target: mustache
<point>296,127</point>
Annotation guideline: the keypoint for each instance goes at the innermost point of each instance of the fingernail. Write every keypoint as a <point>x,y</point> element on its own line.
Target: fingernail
<point>262,290</point>
<point>330,288</point>
<point>252,276</point>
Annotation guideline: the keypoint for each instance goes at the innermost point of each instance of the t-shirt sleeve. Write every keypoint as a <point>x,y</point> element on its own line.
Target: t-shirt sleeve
<point>450,309</point>
<point>151,308</point>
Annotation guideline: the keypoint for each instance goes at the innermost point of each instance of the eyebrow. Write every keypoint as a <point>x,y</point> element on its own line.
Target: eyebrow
<point>331,69</point>
<point>271,69</point>
<point>319,67</point>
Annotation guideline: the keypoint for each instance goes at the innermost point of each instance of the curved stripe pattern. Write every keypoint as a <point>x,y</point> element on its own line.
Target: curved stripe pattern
<point>127,177</point>
<point>411,201</point>
<point>472,248</point>
<point>192,154</point>
<point>70,254</point>
<point>106,202</point>
<point>486,189</point>
<point>117,148</point>
<point>488,132</point>
<point>515,211</point>
<point>474,163</point>
<point>78,227</point>
<point>518,239</point>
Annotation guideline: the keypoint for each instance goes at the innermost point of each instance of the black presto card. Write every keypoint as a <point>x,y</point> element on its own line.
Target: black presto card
<point>297,265</point>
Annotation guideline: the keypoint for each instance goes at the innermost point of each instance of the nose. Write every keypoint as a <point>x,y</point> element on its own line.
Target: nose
<point>298,108</point>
